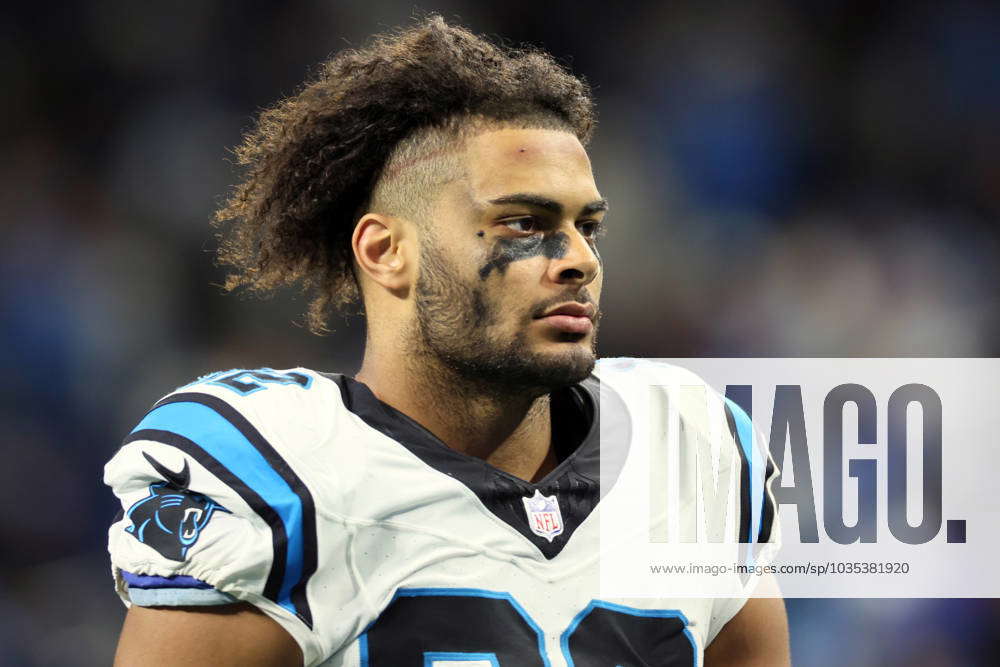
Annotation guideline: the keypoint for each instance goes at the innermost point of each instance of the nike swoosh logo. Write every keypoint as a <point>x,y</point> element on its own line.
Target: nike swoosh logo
<point>178,479</point>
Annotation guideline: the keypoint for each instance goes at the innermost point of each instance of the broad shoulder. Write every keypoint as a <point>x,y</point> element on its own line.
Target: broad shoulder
<point>291,409</point>
<point>255,385</point>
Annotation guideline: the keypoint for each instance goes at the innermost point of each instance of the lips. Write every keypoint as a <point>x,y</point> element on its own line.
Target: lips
<point>575,318</point>
<point>573,310</point>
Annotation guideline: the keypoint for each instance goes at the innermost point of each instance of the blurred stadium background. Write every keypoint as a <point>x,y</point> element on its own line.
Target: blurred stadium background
<point>814,178</point>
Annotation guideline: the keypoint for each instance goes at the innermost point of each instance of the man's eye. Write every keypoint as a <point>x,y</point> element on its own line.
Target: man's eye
<point>591,229</point>
<point>523,225</point>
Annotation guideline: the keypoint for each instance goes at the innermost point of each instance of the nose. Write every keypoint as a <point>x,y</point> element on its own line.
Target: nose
<point>579,265</point>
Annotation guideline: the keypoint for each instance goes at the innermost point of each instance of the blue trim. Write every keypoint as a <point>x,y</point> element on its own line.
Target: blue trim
<point>460,592</point>
<point>160,524</point>
<point>142,529</point>
<point>213,379</point>
<point>363,647</point>
<point>631,611</point>
<point>290,380</point>
<point>247,376</point>
<point>204,379</point>
<point>481,593</point>
<point>430,658</point>
<point>744,429</point>
<point>178,597</point>
<point>139,503</point>
<point>223,441</point>
<point>157,581</point>
<point>238,392</point>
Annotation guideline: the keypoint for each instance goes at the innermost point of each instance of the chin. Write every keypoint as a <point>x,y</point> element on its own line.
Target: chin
<point>567,366</point>
<point>569,346</point>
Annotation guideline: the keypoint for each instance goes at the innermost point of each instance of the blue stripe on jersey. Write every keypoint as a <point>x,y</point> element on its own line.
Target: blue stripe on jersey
<point>744,431</point>
<point>156,581</point>
<point>629,611</point>
<point>217,436</point>
<point>363,647</point>
<point>179,597</point>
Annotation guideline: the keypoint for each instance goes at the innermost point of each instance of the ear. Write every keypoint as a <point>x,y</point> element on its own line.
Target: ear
<point>380,249</point>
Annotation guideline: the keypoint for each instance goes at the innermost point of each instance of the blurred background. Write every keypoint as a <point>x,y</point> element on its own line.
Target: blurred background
<point>814,178</point>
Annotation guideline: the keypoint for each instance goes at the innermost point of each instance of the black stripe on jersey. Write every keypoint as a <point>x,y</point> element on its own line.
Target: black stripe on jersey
<point>280,466</point>
<point>742,395</point>
<point>768,512</point>
<point>746,514</point>
<point>279,539</point>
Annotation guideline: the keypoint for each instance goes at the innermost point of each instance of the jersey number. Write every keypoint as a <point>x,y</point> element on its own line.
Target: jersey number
<point>247,382</point>
<point>448,627</point>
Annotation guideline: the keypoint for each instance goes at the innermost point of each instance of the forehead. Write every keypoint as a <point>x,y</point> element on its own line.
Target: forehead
<point>547,162</point>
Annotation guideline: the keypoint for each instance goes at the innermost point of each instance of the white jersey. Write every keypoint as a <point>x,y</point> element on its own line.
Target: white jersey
<point>375,545</point>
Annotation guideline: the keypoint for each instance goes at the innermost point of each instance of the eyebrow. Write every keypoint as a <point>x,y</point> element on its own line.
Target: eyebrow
<point>550,205</point>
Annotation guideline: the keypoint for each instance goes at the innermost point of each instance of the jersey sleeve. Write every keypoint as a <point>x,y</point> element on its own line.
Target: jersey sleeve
<point>705,413</point>
<point>211,513</point>
<point>760,529</point>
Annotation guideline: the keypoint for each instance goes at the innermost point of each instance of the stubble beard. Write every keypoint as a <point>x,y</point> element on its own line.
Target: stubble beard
<point>453,320</point>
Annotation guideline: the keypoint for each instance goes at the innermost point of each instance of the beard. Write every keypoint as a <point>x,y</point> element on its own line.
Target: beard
<point>453,323</point>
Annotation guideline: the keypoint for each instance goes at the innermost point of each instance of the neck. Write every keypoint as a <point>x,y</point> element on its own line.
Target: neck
<point>509,429</point>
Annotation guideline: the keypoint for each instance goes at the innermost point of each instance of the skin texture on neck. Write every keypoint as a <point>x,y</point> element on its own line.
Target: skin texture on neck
<point>456,304</point>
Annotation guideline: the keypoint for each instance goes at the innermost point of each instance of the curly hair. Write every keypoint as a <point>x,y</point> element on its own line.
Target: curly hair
<point>316,160</point>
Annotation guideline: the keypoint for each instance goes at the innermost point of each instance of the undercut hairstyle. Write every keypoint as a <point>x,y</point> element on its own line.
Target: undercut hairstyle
<point>378,130</point>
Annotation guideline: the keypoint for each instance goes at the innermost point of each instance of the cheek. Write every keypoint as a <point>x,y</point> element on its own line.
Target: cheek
<point>515,291</point>
<point>524,277</point>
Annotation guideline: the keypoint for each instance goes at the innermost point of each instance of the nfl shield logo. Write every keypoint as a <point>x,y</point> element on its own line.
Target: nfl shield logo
<point>544,516</point>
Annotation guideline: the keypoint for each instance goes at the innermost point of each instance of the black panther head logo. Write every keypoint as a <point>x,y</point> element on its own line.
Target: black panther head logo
<point>170,519</point>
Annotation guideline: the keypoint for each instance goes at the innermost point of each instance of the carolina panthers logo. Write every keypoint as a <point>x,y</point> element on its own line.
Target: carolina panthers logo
<point>172,517</point>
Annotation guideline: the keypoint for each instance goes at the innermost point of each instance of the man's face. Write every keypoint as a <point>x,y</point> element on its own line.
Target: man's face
<point>510,277</point>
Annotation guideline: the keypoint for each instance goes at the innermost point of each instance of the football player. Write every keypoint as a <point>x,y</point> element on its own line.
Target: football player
<point>440,508</point>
